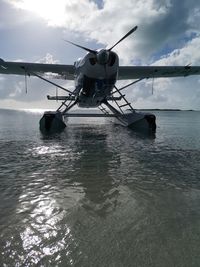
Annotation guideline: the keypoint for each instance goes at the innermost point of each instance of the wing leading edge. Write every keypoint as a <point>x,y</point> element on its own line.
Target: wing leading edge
<point>19,68</point>
<point>137,72</point>
<point>125,72</point>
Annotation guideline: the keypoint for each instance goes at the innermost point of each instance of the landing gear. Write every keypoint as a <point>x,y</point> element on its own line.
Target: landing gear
<point>53,121</point>
<point>134,120</point>
<point>129,117</point>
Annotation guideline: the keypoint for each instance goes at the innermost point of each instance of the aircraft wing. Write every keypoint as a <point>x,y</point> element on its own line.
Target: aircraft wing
<point>137,72</point>
<point>19,68</point>
<point>125,72</point>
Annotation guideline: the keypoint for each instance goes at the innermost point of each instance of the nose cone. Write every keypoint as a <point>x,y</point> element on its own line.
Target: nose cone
<point>102,56</point>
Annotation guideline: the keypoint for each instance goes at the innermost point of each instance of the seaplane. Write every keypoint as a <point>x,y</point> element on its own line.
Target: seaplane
<point>95,76</point>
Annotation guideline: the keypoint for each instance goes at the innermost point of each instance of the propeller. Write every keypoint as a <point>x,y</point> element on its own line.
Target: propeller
<point>125,36</point>
<point>103,55</point>
<point>82,47</point>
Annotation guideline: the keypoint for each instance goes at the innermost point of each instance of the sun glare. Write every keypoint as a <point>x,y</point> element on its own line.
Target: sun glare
<point>52,11</point>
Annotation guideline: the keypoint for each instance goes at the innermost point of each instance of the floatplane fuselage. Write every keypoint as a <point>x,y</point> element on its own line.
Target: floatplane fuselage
<point>95,78</point>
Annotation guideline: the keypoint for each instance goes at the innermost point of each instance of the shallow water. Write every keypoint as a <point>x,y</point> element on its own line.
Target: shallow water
<point>98,194</point>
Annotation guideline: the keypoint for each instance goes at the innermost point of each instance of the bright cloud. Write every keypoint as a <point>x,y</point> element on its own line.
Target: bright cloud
<point>161,23</point>
<point>58,13</point>
<point>52,11</point>
<point>168,34</point>
<point>187,55</point>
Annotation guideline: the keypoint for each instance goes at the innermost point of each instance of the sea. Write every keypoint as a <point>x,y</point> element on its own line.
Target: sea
<point>99,194</point>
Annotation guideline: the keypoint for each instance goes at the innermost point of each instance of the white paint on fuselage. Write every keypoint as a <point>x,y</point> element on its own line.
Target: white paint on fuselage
<point>93,81</point>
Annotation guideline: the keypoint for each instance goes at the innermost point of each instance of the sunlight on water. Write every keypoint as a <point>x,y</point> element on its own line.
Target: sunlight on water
<point>44,222</point>
<point>42,150</point>
<point>100,195</point>
<point>34,110</point>
<point>44,226</point>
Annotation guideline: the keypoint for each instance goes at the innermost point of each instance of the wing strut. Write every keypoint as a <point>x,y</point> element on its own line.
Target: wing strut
<point>42,78</point>
<point>124,87</point>
<point>68,106</point>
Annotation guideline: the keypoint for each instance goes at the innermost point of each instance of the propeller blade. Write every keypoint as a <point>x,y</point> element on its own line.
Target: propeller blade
<point>130,32</point>
<point>82,47</point>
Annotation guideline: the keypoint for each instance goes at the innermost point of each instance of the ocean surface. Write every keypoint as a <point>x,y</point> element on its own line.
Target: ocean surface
<point>100,194</point>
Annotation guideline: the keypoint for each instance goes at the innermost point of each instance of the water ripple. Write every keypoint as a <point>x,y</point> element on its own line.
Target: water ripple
<point>99,195</point>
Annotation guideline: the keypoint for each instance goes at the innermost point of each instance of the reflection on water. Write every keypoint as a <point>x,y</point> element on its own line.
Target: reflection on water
<point>98,195</point>
<point>42,227</point>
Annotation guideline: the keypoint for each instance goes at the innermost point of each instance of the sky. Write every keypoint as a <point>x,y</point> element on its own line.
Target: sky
<point>168,34</point>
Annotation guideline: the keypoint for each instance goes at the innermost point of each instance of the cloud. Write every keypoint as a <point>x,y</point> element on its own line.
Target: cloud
<point>48,59</point>
<point>14,87</point>
<point>168,34</point>
<point>182,92</point>
<point>58,14</point>
<point>162,24</point>
<point>13,93</point>
<point>189,54</point>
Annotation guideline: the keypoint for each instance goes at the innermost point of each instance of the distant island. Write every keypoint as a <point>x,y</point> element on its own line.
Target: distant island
<point>92,110</point>
<point>164,109</point>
